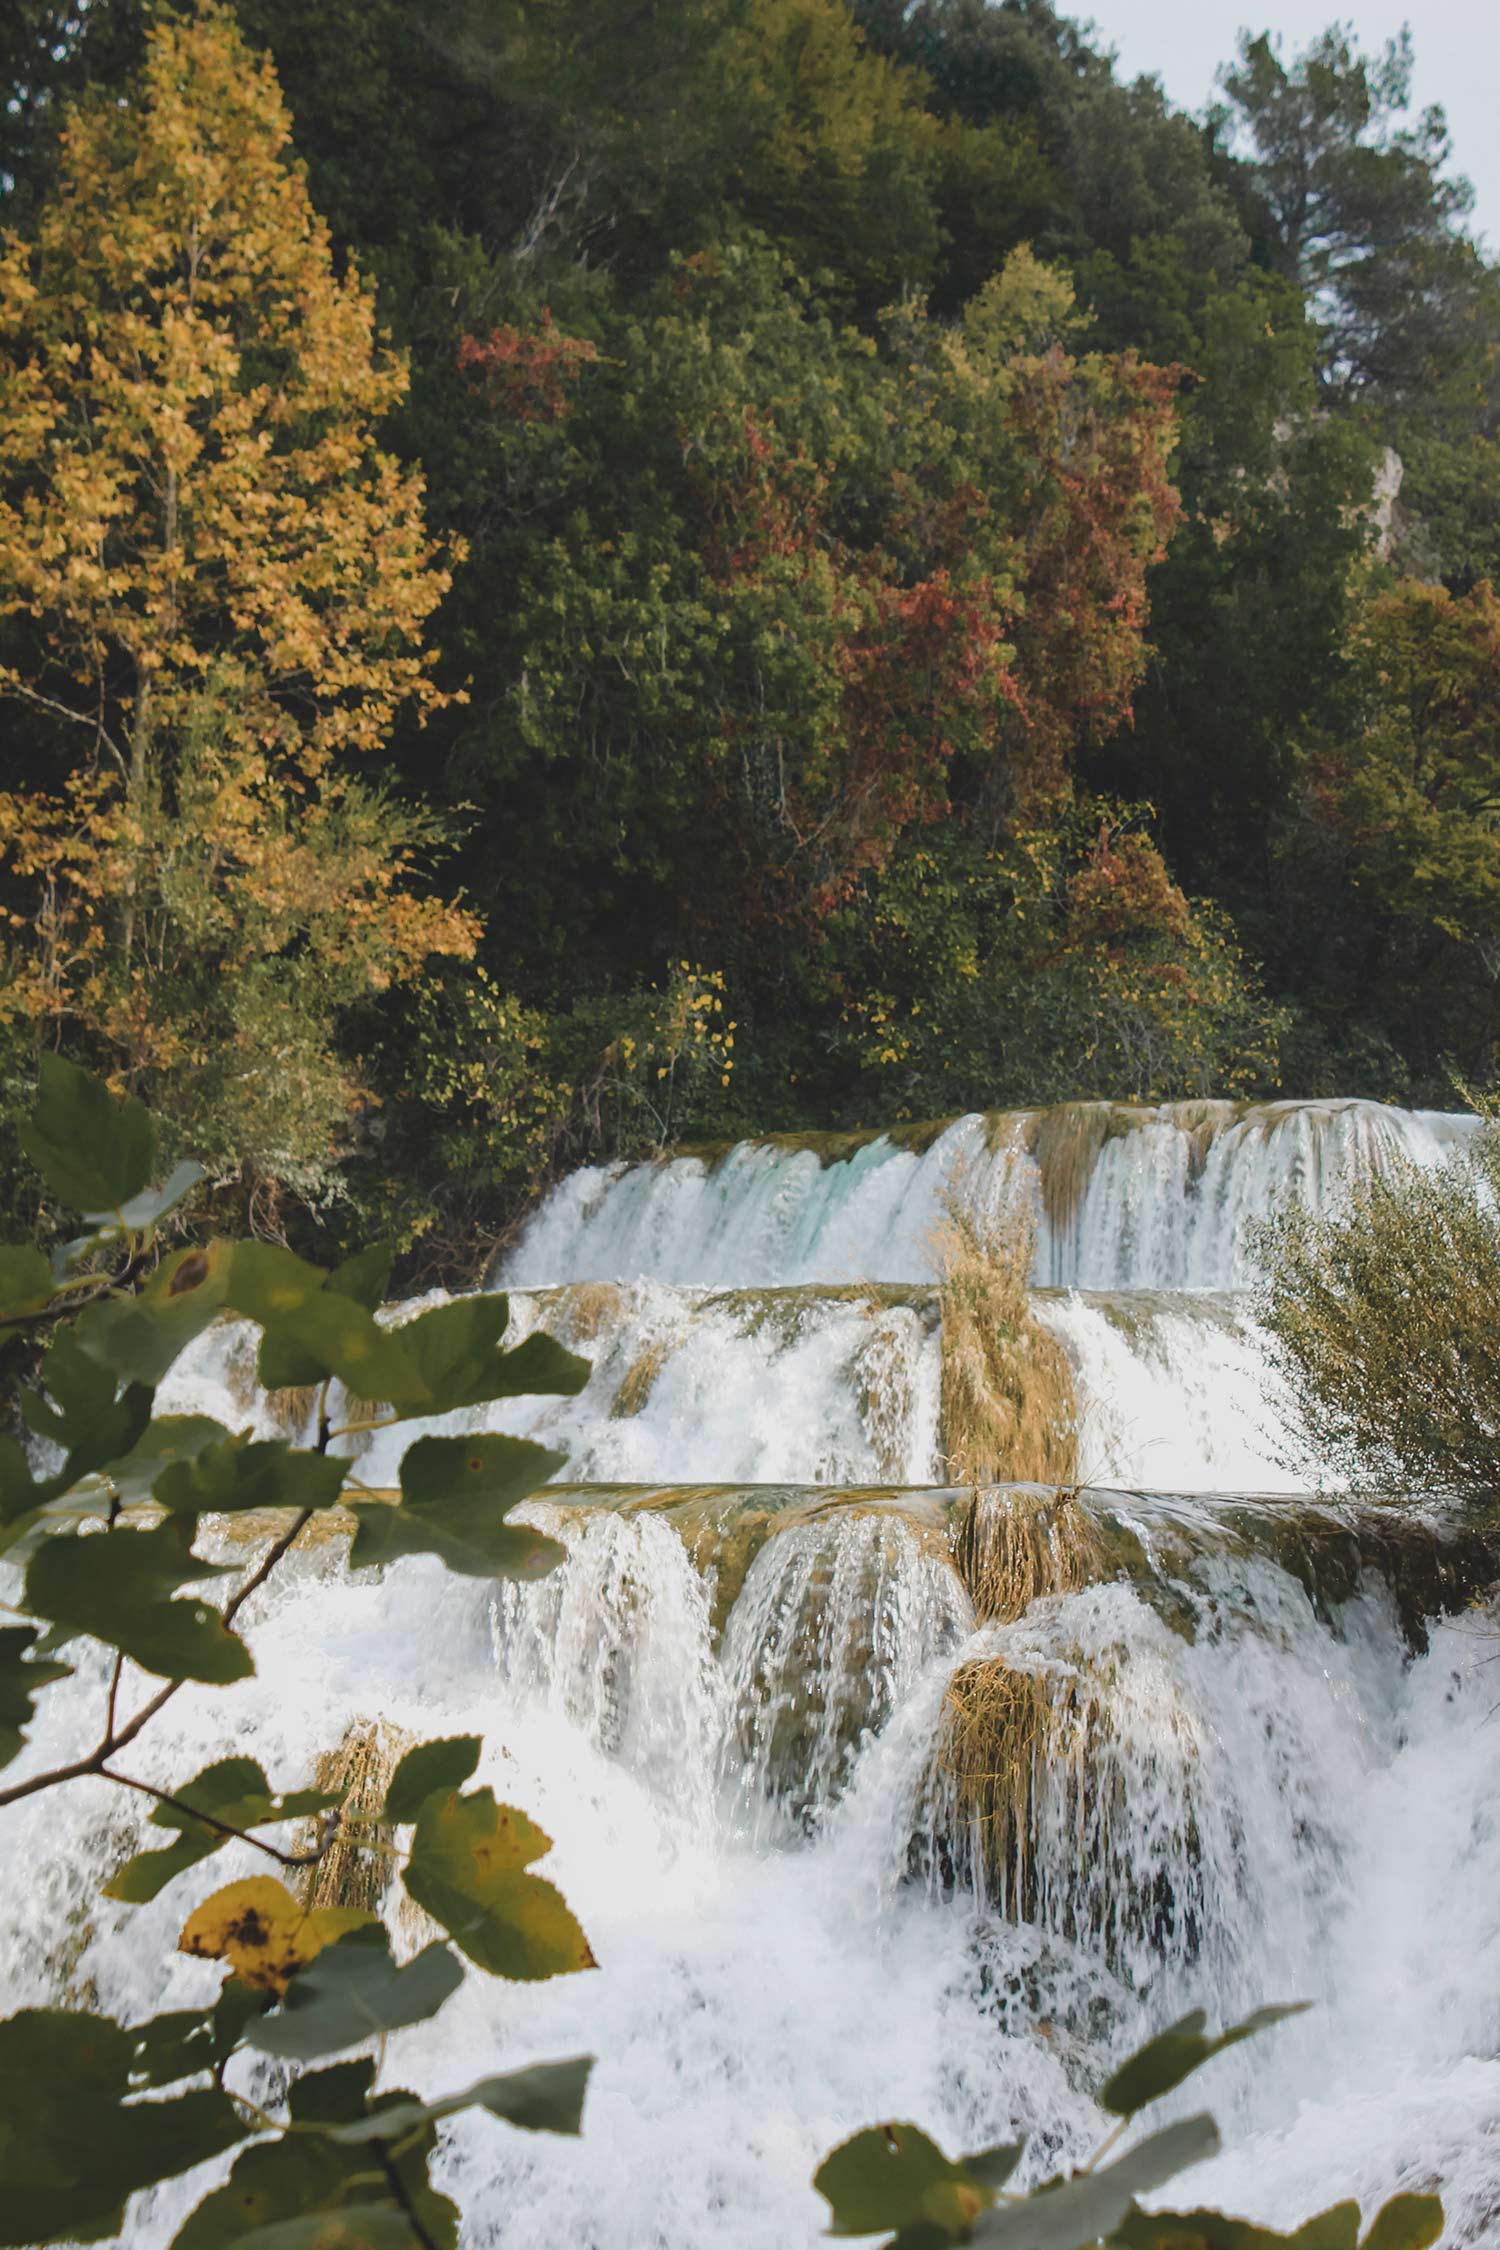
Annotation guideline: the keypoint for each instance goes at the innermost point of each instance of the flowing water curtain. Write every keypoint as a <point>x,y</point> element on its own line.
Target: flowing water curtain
<point>1077,1777</point>
<point>838,1615</point>
<point>1139,1197</point>
<point>619,1643</point>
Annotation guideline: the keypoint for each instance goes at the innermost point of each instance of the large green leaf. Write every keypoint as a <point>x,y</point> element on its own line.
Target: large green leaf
<point>993,2166</point>
<point>358,2226</point>
<point>186,2041</point>
<point>455,1496</point>
<point>119,1586</point>
<point>140,1336</point>
<point>1174,2054</point>
<point>429,1766</point>
<point>22,1496</point>
<point>891,2179</point>
<point>25,1281</point>
<point>166,1438</point>
<point>21,1679</point>
<point>1407,2222</point>
<point>454,1351</point>
<point>313,1330</point>
<point>1194,2230</point>
<point>308,2178</point>
<point>72,2148</point>
<point>354,1991</point>
<point>152,1205</point>
<point>266,1281</point>
<point>284,1365</point>
<point>241,1473</point>
<point>1337,2228</point>
<point>546,2098</point>
<point>81,1412</point>
<point>94,1151</point>
<point>366,1277</point>
<point>234,1791</point>
<point>1071,2214</point>
<point>467,1868</point>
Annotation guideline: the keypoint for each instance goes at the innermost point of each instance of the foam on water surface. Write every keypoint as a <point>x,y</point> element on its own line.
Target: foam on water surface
<point>1151,1199</point>
<point>775,1971</point>
<point>1248,1782</point>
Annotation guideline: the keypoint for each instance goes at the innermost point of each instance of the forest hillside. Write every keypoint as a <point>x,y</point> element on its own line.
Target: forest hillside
<point>575,577</point>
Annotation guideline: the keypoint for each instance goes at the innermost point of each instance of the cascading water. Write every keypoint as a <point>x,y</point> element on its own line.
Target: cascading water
<point>770,1310</point>
<point>1239,1791</point>
<point>860,1823</point>
<point>1132,1198</point>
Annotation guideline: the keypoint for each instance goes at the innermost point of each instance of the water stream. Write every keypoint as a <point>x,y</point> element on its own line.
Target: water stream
<point>1242,1769</point>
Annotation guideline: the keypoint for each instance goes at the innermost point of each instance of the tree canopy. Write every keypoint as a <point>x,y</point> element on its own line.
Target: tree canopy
<point>763,487</point>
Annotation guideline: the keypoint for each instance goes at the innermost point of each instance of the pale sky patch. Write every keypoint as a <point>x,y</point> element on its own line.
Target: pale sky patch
<point>1456,42</point>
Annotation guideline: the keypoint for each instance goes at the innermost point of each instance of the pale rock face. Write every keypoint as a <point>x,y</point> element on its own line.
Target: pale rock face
<point>1384,499</point>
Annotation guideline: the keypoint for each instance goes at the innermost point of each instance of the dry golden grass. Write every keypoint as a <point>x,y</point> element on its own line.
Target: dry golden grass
<point>1009,1408</point>
<point>362,1413</point>
<point>290,1411</point>
<point>1065,1142</point>
<point>997,1732</point>
<point>1014,1547</point>
<point>359,1771</point>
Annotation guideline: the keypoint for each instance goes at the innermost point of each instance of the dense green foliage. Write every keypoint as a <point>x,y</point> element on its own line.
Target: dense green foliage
<point>1382,1326</point>
<point>93,2111</point>
<point>937,550</point>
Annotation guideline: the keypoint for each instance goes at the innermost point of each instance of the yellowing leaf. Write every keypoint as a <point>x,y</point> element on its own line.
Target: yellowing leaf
<point>468,1870</point>
<point>263,1932</point>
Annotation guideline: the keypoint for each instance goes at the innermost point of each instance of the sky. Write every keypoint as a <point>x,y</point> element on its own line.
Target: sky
<point>1456,43</point>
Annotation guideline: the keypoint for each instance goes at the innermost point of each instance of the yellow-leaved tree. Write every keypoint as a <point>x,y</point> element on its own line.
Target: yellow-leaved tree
<point>213,589</point>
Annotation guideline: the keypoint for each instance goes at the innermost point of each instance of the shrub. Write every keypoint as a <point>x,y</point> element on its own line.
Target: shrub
<point>1383,1328</point>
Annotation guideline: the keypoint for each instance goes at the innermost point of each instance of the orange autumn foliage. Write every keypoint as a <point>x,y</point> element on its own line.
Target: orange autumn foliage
<point>218,584</point>
<point>188,466</point>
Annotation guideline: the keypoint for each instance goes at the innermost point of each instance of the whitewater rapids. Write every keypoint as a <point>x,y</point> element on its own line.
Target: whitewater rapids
<point>1263,1776</point>
<point>1320,1807</point>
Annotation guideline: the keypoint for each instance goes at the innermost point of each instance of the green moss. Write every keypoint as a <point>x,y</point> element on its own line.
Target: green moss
<point>1430,1566</point>
<point>785,1311</point>
<point>640,1379</point>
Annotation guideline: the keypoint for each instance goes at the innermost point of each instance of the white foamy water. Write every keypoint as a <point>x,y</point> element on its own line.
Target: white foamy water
<point>831,1387</point>
<point>1234,1797</point>
<point>1254,1807</point>
<point>1169,1197</point>
<point>774,1320</point>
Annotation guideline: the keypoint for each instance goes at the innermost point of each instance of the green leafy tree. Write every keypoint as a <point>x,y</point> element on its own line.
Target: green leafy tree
<point>1396,818</point>
<point>1063,964</point>
<point>1358,210</point>
<point>783,594</point>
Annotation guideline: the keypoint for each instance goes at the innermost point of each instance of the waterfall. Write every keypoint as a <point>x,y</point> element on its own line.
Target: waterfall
<point>837,1387</point>
<point>876,1797</point>
<point>1239,1792</point>
<point>1133,1198</point>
